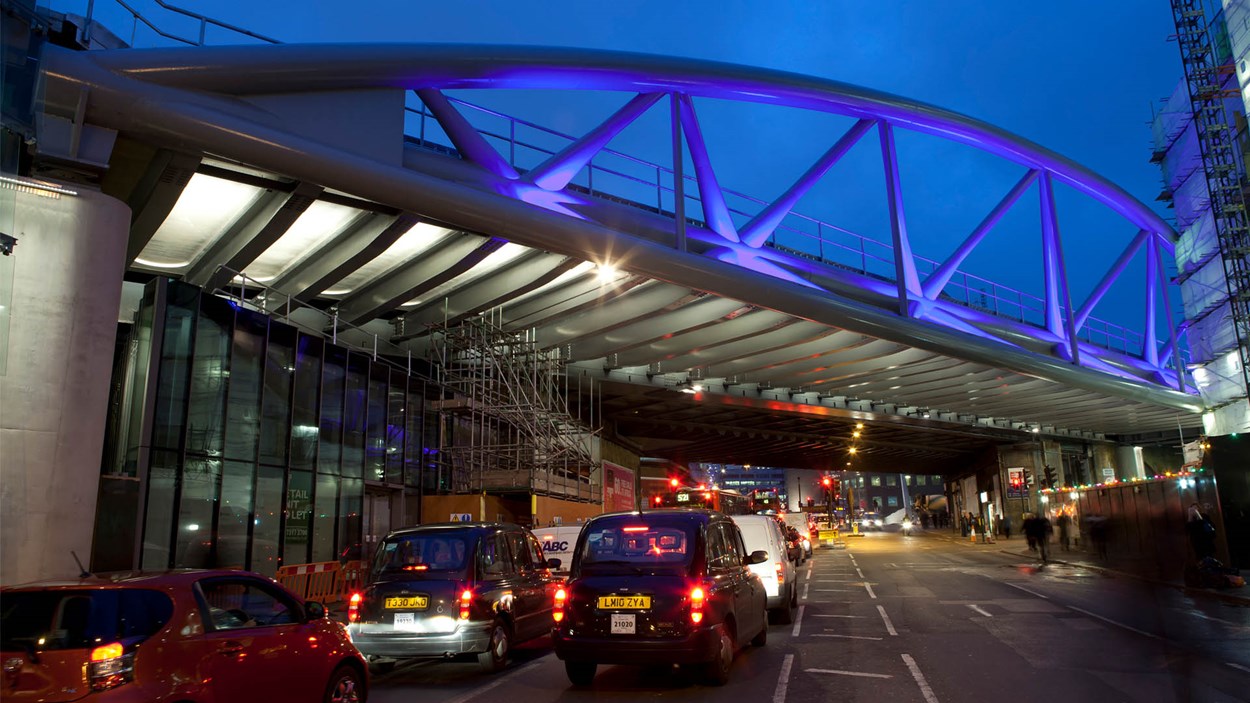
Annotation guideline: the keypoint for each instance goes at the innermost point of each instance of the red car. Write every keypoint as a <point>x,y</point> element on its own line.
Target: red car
<point>173,636</point>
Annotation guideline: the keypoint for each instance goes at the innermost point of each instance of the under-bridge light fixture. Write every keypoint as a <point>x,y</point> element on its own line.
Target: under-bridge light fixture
<point>606,273</point>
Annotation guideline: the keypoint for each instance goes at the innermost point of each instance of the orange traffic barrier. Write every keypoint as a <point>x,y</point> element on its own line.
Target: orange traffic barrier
<point>351,578</point>
<point>320,582</point>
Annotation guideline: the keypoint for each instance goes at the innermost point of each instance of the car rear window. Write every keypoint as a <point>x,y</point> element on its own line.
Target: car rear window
<point>418,553</point>
<point>639,541</point>
<point>48,620</point>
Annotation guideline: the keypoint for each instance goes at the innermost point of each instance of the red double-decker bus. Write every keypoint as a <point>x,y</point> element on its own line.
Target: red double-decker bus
<point>718,499</point>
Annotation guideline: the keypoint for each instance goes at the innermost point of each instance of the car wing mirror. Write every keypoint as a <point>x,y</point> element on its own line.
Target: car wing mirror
<point>314,610</point>
<point>759,556</point>
<point>553,563</point>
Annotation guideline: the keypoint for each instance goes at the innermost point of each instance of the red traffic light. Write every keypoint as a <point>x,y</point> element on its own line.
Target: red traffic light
<point>827,481</point>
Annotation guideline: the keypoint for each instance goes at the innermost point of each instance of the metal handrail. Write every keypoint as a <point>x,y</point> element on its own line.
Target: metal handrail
<point>203,20</point>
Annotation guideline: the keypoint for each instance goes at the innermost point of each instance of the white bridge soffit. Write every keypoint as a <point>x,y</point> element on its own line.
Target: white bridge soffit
<point>695,352</point>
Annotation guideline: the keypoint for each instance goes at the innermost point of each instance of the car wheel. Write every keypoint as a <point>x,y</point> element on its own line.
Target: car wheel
<point>495,658</point>
<point>716,672</point>
<point>345,686</point>
<point>580,673</point>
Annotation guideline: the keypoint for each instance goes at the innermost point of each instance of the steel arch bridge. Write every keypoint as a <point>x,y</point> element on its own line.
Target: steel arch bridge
<point>747,301</point>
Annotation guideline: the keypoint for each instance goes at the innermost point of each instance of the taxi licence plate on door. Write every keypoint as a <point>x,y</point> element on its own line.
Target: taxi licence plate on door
<point>623,624</point>
<point>624,602</point>
<point>417,602</point>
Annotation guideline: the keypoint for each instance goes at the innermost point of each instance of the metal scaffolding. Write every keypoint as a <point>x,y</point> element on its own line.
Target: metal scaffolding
<point>505,425</point>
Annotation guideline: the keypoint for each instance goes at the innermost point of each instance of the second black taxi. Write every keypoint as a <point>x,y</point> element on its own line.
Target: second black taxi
<point>659,587</point>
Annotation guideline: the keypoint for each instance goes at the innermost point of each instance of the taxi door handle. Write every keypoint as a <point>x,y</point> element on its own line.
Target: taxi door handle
<point>230,648</point>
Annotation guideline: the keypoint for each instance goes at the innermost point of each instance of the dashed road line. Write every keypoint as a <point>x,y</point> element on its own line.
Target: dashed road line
<point>1238,666</point>
<point>980,610</point>
<point>798,622</point>
<point>805,587</point>
<point>920,680</point>
<point>1113,622</point>
<point>889,626</point>
<point>783,680</point>
<point>870,591</point>
<point>861,574</point>
<point>848,673</point>
<point>1026,590</point>
<point>470,695</point>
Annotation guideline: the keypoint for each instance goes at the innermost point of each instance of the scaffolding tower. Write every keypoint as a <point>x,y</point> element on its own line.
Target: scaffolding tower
<point>505,425</point>
<point>1206,77</point>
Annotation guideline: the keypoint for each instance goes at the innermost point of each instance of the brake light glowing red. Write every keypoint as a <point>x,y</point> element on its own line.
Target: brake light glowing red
<point>697,599</point>
<point>417,567</point>
<point>635,529</point>
<point>108,651</point>
<point>353,607</point>
<point>781,573</point>
<point>561,597</point>
<point>466,599</point>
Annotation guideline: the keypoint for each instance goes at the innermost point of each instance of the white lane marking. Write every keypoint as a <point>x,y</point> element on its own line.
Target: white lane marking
<point>1204,616</point>
<point>851,637</point>
<point>919,677</point>
<point>861,574</point>
<point>1113,622</point>
<point>1026,590</point>
<point>783,681</point>
<point>470,695</point>
<point>809,569</point>
<point>889,626</point>
<point>848,673</point>
<point>980,610</point>
<point>797,623</point>
<point>1238,666</point>
<point>805,587</point>
<point>837,616</point>
<point>869,587</point>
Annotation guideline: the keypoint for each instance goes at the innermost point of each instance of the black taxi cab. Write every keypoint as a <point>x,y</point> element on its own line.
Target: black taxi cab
<point>452,589</point>
<point>659,587</point>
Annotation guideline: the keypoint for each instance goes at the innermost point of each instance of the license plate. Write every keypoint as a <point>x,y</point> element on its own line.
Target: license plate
<point>625,603</point>
<point>416,602</point>
<point>405,621</point>
<point>623,624</point>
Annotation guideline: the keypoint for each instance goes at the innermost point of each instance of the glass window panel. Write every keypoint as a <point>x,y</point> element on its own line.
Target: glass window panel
<point>920,480</point>
<point>891,480</point>
<point>334,375</point>
<point>139,382</point>
<point>396,395</point>
<point>235,514</point>
<point>351,503</point>
<point>375,444</point>
<point>298,518</point>
<point>207,410</point>
<point>325,518</point>
<point>892,501</point>
<point>171,390</point>
<point>304,422</point>
<point>243,408</point>
<point>158,523</point>
<point>354,412</point>
<point>412,436</point>
<point>267,520</point>
<point>197,503</point>
<point>275,421</point>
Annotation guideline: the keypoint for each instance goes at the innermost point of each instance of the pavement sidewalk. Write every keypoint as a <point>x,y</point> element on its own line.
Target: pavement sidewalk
<point>1018,546</point>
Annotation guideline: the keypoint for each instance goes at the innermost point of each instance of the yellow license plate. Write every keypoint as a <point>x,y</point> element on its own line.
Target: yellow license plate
<point>415,602</point>
<point>625,602</point>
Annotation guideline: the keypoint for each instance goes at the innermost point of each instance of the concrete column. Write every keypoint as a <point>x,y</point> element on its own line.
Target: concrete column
<point>65,277</point>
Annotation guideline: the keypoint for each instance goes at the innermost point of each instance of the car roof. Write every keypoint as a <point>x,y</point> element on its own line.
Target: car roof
<point>166,579</point>
<point>433,526</point>
<point>693,514</point>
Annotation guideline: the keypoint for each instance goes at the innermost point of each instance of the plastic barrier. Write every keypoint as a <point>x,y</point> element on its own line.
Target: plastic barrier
<point>351,578</point>
<point>321,582</point>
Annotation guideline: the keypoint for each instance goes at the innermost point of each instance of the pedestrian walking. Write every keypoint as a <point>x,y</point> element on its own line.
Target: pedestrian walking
<point>1006,523</point>
<point>1201,532</point>
<point>1065,530</point>
<point>1038,530</point>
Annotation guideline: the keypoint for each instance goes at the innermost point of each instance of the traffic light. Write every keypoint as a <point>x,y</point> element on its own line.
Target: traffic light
<point>1051,479</point>
<point>1028,478</point>
<point>1017,481</point>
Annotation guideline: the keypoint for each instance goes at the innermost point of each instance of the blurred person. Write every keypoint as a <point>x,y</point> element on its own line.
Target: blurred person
<point>1201,532</point>
<point>1038,530</point>
<point>1064,522</point>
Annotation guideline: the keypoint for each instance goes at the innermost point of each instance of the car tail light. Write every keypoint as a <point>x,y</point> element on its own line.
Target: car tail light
<point>466,599</point>
<point>353,607</point>
<point>561,597</point>
<point>110,667</point>
<point>698,598</point>
<point>781,573</point>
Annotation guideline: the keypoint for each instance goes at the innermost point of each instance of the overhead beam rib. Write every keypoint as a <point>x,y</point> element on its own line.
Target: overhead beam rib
<point>557,171</point>
<point>155,195</point>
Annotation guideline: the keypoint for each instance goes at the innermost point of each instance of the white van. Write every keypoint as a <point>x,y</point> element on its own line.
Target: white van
<point>558,542</point>
<point>763,532</point>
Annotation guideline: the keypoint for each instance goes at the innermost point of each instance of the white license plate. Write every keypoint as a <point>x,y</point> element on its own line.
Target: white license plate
<point>405,621</point>
<point>623,624</point>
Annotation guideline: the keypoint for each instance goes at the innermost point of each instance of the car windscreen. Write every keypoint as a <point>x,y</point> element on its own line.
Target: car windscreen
<point>644,542</point>
<point>50,620</point>
<point>441,552</point>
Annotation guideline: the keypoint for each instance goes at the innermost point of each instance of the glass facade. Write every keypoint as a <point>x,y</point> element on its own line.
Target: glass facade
<point>263,438</point>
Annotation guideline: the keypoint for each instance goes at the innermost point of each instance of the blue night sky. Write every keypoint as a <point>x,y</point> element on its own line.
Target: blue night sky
<point>1077,77</point>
